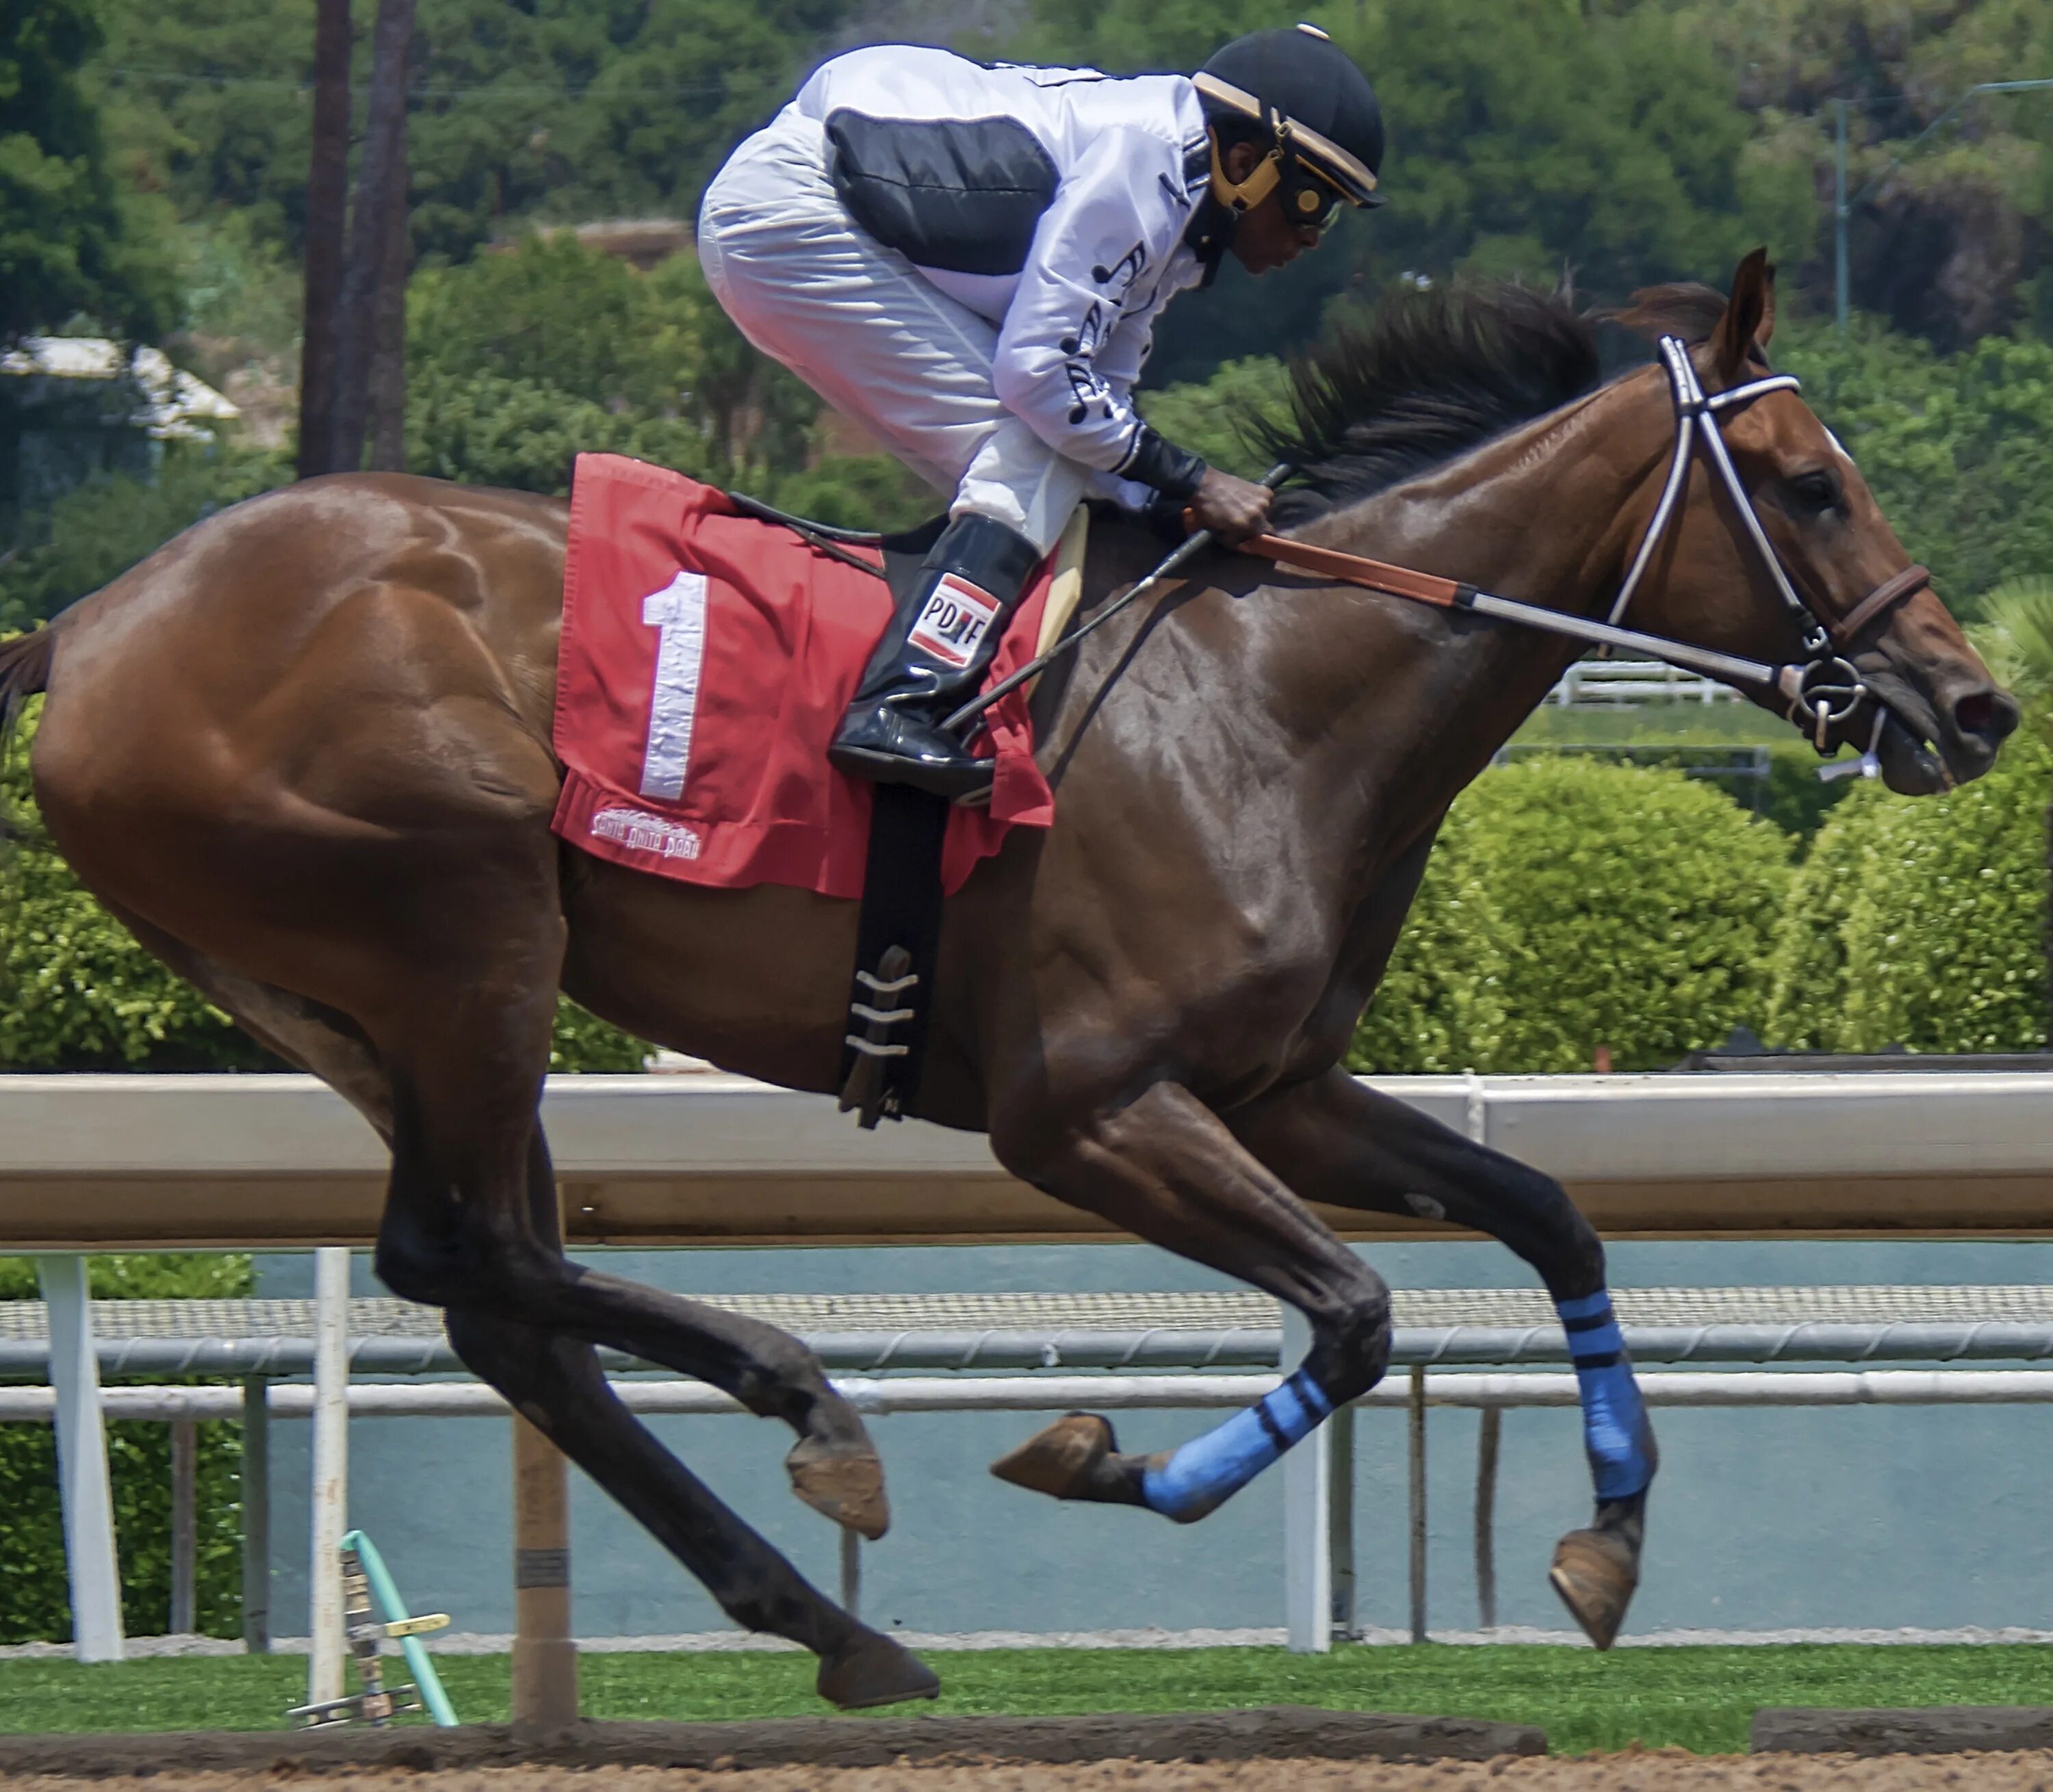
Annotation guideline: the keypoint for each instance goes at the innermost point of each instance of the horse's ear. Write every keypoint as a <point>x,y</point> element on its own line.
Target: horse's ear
<point>1749,320</point>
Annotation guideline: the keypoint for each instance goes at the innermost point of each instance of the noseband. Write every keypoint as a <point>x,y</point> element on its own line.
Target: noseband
<point>1827,686</point>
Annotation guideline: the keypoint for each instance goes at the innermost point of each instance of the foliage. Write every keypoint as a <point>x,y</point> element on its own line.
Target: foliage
<point>2017,640</point>
<point>32,1557</point>
<point>1440,1006</point>
<point>1217,418</point>
<point>555,107</point>
<point>520,361</point>
<point>1958,450</point>
<point>1580,904</point>
<point>72,240</point>
<point>1923,924</point>
<point>91,535</point>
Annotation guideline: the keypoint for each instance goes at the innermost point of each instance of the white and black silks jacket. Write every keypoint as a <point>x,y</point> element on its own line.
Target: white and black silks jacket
<point>1058,203</point>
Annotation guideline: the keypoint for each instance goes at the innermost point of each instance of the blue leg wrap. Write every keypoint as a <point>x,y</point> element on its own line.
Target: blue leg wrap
<point>1209,1470</point>
<point>1615,1428</point>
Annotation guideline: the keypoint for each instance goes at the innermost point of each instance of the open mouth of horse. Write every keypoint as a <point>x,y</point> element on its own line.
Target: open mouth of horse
<point>1932,744</point>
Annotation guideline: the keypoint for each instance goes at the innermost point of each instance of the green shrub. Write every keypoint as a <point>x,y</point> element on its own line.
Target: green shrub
<point>1440,1005</point>
<point>1922,923</point>
<point>1807,972</point>
<point>1574,904</point>
<point>37,1604</point>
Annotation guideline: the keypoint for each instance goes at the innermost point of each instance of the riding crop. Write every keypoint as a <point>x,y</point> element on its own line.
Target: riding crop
<point>1186,551</point>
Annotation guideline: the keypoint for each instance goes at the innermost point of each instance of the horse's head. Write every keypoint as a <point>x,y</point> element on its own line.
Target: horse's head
<point>1824,578</point>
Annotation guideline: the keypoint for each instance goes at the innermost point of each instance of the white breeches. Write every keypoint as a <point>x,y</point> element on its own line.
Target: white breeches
<point>859,324</point>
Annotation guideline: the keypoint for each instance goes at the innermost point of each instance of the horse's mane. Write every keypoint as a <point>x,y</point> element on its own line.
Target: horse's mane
<point>1436,372</point>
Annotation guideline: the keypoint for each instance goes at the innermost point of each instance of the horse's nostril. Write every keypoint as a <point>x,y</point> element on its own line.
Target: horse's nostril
<point>1986,715</point>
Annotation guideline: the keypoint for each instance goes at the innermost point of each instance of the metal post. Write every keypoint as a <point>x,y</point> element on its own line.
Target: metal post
<point>88,1502</point>
<point>1347,1625</point>
<point>1840,209</point>
<point>851,1573</point>
<point>257,1515</point>
<point>330,1475</point>
<point>545,1677</point>
<point>1485,1517</point>
<point>1308,1583</point>
<point>185,1526</point>
<point>1418,1502</point>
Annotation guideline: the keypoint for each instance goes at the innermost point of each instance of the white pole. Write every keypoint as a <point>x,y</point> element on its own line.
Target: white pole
<point>331,1473</point>
<point>1307,1561</point>
<point>88,1503</point>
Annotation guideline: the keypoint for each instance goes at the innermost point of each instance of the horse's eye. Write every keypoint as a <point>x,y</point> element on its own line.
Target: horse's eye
<point>1817,491</point>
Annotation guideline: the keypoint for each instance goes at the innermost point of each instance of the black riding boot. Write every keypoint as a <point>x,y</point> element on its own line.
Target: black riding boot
<point>932,659</point>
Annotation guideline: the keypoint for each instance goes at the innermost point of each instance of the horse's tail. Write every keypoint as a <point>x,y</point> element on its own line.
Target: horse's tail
<point>25,672</point>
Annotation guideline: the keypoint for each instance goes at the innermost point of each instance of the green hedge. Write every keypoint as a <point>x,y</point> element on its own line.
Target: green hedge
<point>35,1604</point>
<point>1923,924</point>
<point>1579,904</point>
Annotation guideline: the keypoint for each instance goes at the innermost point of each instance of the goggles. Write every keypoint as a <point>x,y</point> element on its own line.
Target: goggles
<point>1311,199</point>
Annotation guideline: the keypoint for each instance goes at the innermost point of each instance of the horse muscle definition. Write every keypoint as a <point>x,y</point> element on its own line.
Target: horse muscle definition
<point>304,751</point>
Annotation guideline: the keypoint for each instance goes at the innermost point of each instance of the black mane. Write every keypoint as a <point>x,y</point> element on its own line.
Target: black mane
<point>1431,376</point>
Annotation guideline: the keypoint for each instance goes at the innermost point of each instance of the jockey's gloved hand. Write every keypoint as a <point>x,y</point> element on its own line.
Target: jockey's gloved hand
<point>1233,509</point>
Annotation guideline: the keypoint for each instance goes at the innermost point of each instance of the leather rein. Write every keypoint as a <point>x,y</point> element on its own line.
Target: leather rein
<point>1821,688</point>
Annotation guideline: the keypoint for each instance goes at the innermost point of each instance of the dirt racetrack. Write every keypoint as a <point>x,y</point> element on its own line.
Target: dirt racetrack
<point>1654,1771</point>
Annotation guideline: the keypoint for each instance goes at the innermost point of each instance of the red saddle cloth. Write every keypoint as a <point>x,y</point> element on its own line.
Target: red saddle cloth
<point>706,658</point>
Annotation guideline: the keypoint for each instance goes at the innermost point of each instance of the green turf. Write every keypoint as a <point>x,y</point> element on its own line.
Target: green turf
<point>1699,1699</point>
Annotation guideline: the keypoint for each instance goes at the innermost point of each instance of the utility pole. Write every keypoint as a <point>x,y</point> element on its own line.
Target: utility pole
<point>1839,218</point>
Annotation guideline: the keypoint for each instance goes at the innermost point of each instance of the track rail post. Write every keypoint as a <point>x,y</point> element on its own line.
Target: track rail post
<point>185,1526</point>
<point>1487,1442</point>
<point>90,1559</point>
<point>326,1644</point>
<point>257,1515</point>
<point>1308,1577</point>
<point>545,1676</point>
<point>1417,1454</point>
<point>1347,1621</point>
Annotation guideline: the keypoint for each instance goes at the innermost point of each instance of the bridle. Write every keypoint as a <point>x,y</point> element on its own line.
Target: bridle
<point>1822,688</point>
<point>1829,688</point>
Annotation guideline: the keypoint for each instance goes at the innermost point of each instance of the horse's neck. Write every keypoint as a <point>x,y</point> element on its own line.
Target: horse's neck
<point>1548,515</point>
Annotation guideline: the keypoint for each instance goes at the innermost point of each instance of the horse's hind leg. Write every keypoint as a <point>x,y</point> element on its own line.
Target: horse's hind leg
<point>471,1225</point>
<point>1335,1141</point>
<point>557,1383</point>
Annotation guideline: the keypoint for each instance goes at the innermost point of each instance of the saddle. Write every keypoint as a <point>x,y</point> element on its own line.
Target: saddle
<point>898,933</point>
<point>710,645</point>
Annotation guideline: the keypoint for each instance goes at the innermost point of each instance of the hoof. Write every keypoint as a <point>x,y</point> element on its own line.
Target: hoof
<point>1595,1572</point>
<point>844,1481</point>
<point>1075,1458</point>
<point>873,1670</point>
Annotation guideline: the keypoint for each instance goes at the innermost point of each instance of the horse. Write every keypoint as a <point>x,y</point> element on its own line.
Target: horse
<point>303,753</point>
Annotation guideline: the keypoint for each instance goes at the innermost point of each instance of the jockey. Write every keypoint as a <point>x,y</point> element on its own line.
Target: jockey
<point>969,262</point>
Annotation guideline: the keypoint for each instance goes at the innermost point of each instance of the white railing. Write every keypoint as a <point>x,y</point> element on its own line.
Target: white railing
<point>1609,684</point>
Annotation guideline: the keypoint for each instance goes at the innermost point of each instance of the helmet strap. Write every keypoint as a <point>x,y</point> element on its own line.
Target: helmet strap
<point>1243,197</point>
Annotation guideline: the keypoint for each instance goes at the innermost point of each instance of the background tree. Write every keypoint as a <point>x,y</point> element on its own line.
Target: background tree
<point>72,240</point>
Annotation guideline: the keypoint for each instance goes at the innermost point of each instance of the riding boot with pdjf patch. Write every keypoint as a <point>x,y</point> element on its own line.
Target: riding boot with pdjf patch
<point>932,659</point>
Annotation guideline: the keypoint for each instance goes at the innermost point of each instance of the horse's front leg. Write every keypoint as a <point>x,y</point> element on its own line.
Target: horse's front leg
<point>1338,1142</point>
<point>1165,1168</point>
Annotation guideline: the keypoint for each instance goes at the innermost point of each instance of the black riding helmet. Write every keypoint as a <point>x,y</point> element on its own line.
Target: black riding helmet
<point>1298,94</point>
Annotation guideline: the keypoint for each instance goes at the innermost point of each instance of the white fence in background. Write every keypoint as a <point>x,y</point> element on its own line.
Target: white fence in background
<point>1609,684</point>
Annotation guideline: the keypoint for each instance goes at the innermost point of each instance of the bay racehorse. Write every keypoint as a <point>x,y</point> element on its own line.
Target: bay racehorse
<point>303,752</point>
